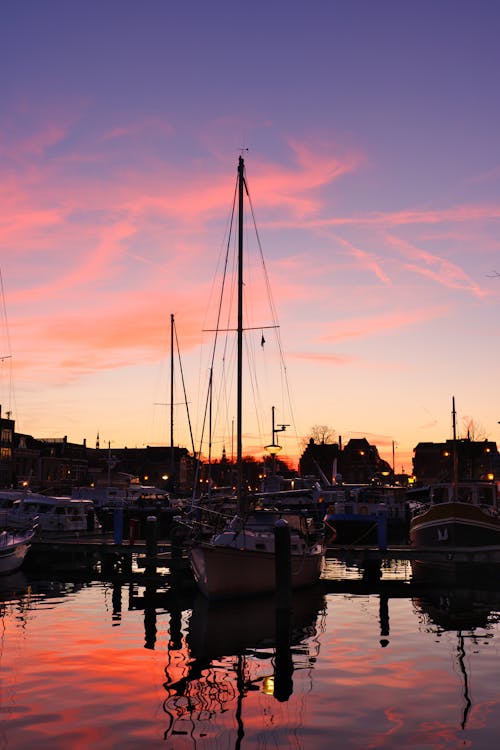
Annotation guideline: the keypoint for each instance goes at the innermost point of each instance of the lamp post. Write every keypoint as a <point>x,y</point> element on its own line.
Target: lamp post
<point>274,448</point>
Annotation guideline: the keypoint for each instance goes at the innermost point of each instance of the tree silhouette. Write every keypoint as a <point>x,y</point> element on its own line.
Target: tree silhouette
<point>321,433</point>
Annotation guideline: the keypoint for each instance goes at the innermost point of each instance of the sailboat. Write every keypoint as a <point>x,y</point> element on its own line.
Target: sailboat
<point>241,560</point>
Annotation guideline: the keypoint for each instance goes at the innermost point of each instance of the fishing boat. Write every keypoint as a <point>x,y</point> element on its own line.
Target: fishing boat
<point>240,559</point>
<point>14,546</point>
<point>456,514</point>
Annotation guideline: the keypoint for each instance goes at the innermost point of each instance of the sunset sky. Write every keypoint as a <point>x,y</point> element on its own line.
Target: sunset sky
<point>373,137</point>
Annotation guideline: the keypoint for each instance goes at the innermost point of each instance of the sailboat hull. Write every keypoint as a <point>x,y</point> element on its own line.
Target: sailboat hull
<point>225,572</point>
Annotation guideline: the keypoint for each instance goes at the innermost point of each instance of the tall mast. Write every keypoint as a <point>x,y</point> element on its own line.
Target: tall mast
<point>239,409</point>
<point>172,463</point>
<point>455,456</point>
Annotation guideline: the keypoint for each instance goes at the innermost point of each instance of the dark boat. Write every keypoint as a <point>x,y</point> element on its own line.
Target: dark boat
<point>458,514</point>
<point>462,514</point>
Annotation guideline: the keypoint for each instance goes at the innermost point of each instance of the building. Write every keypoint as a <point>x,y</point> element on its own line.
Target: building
<point>357,463</point>
<point>6,450</point>
<point>434,462</point>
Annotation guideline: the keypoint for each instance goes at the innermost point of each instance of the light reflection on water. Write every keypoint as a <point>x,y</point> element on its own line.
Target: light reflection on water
<point>120,665</point>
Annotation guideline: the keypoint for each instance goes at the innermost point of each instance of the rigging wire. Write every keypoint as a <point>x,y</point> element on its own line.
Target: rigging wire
<point>274,315</point>
<point>183,386</point>
<point>254,353</point>
<point>217,328</point>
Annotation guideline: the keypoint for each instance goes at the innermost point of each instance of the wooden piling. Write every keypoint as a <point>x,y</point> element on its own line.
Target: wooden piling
<point>382,529</point>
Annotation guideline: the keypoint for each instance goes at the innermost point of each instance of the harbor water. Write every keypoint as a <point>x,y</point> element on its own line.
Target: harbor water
<point>87,662</point>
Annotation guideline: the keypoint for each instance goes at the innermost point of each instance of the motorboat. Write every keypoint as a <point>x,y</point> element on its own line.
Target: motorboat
<point>461,514</point>
<point>14,546</point>
<point>54,514</point>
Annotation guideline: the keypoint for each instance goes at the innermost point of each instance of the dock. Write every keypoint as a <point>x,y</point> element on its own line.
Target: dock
<point>156,560</point>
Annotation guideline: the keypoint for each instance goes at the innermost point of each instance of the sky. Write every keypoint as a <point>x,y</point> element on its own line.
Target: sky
<point>372,151</point>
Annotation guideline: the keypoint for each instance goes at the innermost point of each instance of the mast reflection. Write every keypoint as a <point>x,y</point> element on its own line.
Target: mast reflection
<point>467,612</point>
<point>234,649</point>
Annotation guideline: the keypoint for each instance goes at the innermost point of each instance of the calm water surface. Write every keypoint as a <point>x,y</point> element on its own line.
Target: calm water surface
<point>102,665</point>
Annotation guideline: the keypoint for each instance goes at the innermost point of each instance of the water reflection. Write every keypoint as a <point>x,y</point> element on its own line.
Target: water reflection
<point>232,651</point>
<point>470,614</point>
<point>373,664</point>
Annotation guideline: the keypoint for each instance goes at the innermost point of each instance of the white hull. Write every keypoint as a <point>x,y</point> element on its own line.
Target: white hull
<point>53,514</point>
<point>13,549</point>
<point>222,571</point>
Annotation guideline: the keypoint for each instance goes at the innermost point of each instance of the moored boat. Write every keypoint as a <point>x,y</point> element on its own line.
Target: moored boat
<point>241,559</point>
<point>14,546</point>
<point>53,514</point>
<point>462,514</point>
<point>355,513</point>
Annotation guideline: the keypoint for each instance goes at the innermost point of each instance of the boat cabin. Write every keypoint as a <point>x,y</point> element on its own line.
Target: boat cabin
<point>55,513</point>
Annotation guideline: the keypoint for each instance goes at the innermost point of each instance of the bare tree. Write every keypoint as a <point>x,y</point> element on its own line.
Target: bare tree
<point>474,430</point>
<point>321,433</point>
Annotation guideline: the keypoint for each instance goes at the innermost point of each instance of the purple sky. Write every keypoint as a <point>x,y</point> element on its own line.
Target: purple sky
<point>373,136</point>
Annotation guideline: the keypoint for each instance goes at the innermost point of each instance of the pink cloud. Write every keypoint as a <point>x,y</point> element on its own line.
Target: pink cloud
<point>138,127</point>
<point>428,425</point>
<point>440,270</point>
<point>372,325</point>
<point>368,260</point>
<point>17,147</point>
<point>335,359</point>
<point>391,219</point>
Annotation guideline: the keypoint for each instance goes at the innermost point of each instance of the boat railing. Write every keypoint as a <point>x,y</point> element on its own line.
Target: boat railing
<point>416,507</point>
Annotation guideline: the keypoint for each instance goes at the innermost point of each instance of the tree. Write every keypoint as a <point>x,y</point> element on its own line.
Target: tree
<point>321,434</point>
<point>474,430</point>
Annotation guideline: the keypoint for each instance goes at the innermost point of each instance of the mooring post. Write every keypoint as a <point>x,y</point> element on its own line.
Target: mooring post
<point>283,685</point>
<point>118,525</point>
<point>283,565</point>
<point>382,528</point>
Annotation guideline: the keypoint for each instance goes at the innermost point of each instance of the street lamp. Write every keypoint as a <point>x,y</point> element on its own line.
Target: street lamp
<point>274,448</point>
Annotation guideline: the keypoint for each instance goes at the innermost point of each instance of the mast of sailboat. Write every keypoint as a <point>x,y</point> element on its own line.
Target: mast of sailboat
<point>455,457</point>
<point>172,462</point>
<point>239,405</point>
